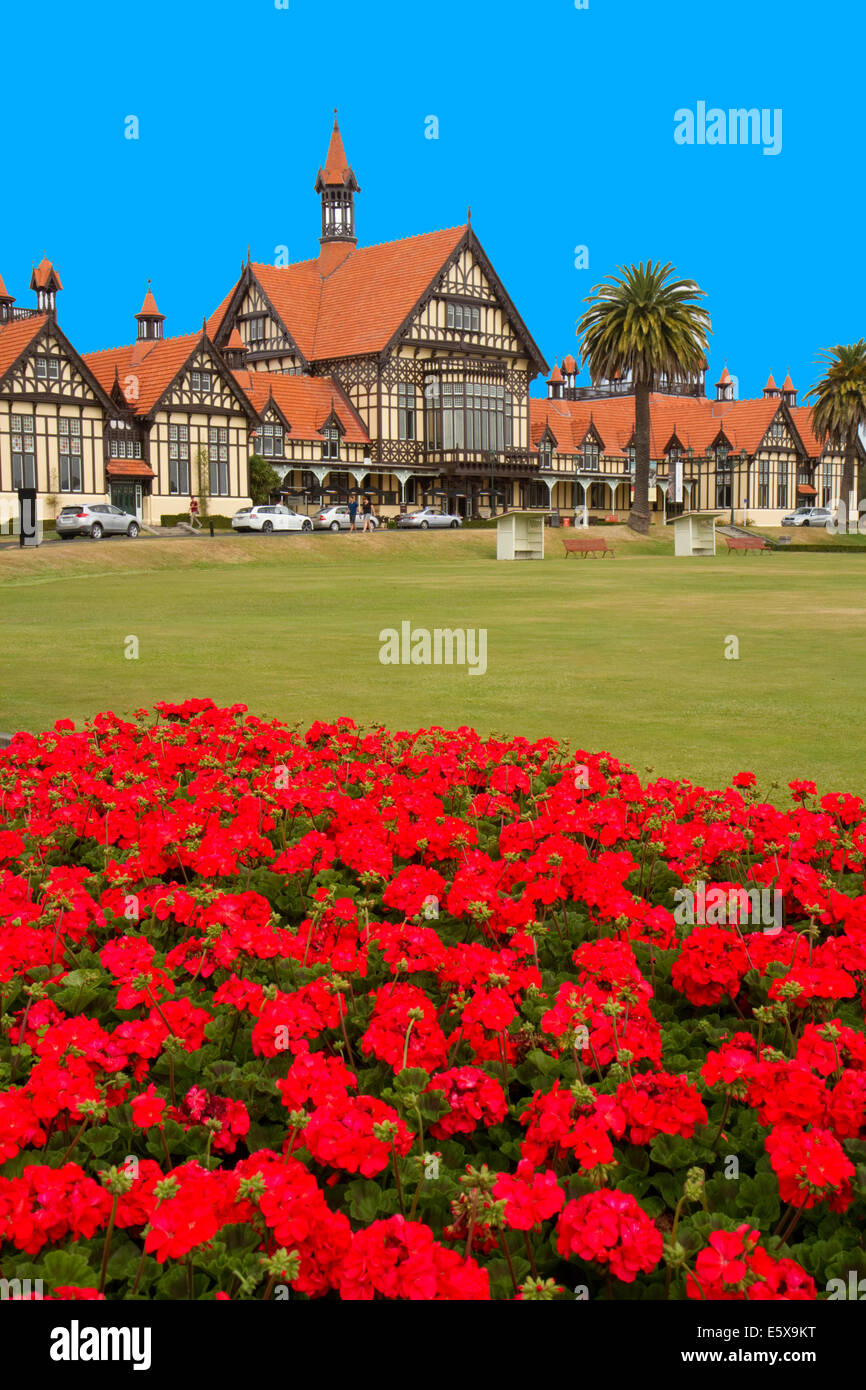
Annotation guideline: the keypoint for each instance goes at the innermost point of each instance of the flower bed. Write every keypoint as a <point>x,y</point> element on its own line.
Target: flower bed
<point>359,1015</point>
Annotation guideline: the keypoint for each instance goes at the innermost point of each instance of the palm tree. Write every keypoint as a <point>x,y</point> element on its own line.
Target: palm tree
<point>645,322</point>
<point>839,407</point>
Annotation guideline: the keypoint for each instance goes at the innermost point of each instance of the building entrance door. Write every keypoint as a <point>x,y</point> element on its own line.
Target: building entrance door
<point>127,496</point>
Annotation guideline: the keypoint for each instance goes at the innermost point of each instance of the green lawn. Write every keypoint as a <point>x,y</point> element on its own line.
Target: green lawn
<point>625,654</point>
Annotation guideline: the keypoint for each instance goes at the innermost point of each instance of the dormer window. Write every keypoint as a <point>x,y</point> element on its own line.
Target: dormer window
<point>331,442</point>
<point>629,458</point>
<point>590,455</point>
<point>776,433</point>
<point>202,381</point>
<point>273,446</point>
<point>545,454</point>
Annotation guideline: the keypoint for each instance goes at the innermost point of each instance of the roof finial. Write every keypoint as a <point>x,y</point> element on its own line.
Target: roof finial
<point>248,254</point>
<point>469,214</point>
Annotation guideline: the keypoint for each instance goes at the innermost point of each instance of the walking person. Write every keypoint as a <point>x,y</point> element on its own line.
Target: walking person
<point>367,513</point>
<point>353,511</point>
<point>194,519</point>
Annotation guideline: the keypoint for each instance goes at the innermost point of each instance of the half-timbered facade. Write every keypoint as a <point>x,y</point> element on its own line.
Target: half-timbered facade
<point>421,336</point>
<point>52,408</point>
<point>401,369</point>
<point>180,426</point>
<point>756,458</point>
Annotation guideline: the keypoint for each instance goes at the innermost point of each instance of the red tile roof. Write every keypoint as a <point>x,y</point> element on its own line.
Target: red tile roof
<point>696,421</point>
<point>787,384</point>
<point>725,378</point>
<point>43,273</point>
<point>129,468</point>
<point>569,365</point>
<point>771,385</point>
<point>154,363</point>
<point>802,417</point>
<point>4,293</point>
<point>358,306</point>
<point>305,401</point>
<point>556,375</point>
<point>235,340</point>
<point>16,336</point>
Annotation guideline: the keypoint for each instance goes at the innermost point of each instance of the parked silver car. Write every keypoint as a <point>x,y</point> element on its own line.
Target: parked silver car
<point>337,519</point>
<point>428,516</point>
<point>95,520</point>
<point>808,516</point>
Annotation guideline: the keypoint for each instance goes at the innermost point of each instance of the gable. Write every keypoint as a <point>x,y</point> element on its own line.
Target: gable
<point>258,322</point>
<point>46,366</point>
<point>468,305</point>
<point>203,383</point>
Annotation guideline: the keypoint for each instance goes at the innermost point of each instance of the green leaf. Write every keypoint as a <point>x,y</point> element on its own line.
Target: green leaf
<point>364,1199</point>
<point>100,1140</point>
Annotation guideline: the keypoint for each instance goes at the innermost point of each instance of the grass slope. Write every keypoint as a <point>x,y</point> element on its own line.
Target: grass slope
<point>624,654</point>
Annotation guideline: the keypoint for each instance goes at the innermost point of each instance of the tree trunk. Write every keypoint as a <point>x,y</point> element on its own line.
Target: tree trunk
<point>639,516</point>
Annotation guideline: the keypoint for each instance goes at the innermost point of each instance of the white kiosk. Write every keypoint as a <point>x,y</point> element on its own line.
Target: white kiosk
<point>695,533</point>
<point>520,536</point>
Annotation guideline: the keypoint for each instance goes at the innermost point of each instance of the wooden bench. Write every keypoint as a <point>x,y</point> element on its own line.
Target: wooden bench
<point>585,545</point>
<point>746,543</point>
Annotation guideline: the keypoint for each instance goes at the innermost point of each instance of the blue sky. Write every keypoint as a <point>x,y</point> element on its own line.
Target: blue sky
<point>555,124</point>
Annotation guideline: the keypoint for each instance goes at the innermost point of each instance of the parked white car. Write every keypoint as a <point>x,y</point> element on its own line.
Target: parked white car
<point>270,518</point>
<point>427,517</point>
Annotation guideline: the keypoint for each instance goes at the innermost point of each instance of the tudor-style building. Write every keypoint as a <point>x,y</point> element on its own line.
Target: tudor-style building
<point>401,368</point>
<point>180,423</point>
<point>760,457</point>
<point>421,336</point>
<point>53,409</point>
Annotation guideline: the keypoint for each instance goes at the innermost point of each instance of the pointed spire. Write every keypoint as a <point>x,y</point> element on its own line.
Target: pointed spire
<point>337,172</point>
<point>150,320</point>
<point>771,390</point>
<point>45,276</point>
<point>469,215</point>
<point>149,308</point>
<point>336,185</point>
